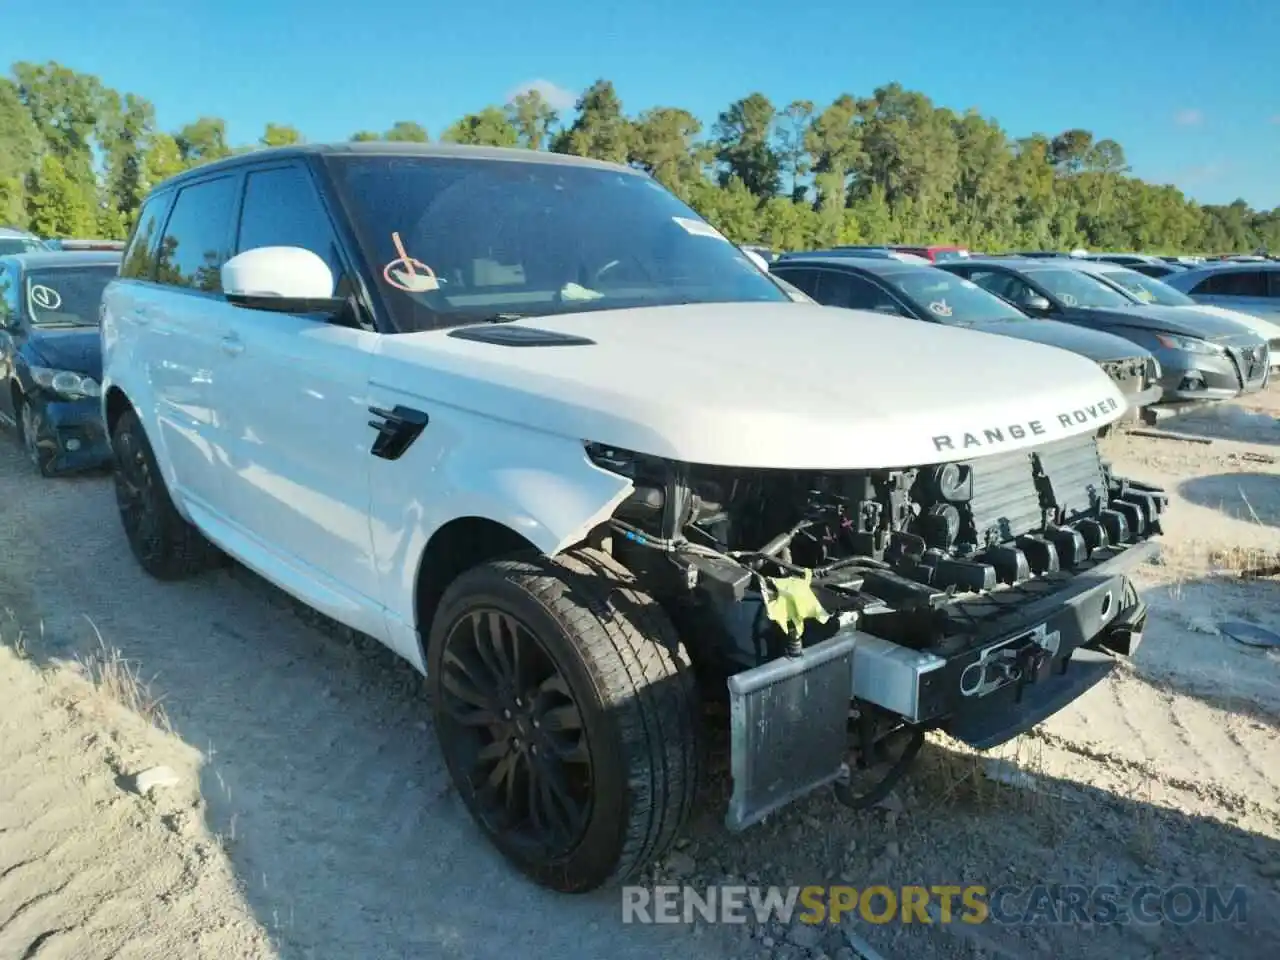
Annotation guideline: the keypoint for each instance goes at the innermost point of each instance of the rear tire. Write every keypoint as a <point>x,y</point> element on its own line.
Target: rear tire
<point>165,545</point>
<point>574,643</point>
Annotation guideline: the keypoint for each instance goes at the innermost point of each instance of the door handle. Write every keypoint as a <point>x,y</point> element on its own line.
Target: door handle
<point>232,346</point>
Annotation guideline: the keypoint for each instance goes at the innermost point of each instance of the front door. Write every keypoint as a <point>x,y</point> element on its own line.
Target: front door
<point>297,417</point>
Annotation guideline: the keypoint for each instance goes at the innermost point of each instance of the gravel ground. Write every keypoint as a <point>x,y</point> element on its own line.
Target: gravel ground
<point>312,815</point>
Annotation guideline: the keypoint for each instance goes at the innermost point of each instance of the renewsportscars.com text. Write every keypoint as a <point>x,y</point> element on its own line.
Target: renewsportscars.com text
<point>971,904</point>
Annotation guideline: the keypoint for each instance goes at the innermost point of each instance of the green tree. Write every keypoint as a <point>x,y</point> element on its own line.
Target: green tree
<point>792,132</point>
<point>364,136</point>
<point>744,135</point>
<point>664,142</point>
<point>280,135</point>
<point>488,128</point>
<point>406,131</point>
<point>532,117</point>
<point>600,130</point>
<point>203,141</point>
<point>58,206</point>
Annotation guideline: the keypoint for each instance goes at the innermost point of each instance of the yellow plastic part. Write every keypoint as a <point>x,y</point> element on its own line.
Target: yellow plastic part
<point>790,601</point>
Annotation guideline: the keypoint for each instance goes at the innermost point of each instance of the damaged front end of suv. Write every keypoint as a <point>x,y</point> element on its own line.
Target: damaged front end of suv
<point>842,613</point>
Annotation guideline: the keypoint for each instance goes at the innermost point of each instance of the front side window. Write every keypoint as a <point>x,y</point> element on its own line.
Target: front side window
<point>1148,289</point>
<point>1076,289</point>
<point>9,298</point>
<point>282,209</point>
<point>1001,284</point>
<point>195,241</point>
<point>948,298</point>
<point>454,241</point>
<point>804,280</point>
<point>67,296</point>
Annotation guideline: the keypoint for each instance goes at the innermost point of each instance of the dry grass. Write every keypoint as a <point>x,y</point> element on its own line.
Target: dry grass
<point>119,680</point>
<point>16,635</point>
<point>1184,560</point>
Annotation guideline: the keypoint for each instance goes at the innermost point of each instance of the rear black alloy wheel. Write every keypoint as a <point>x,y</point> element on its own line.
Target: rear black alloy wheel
<point>567,714</point>
<point>511,720</point>
<point>164,543</point>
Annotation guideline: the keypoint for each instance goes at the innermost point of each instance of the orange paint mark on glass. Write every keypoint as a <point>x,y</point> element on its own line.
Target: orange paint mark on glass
<point>407,274</point>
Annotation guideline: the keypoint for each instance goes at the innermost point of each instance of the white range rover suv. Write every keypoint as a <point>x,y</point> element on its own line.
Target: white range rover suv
<point>536,426</point>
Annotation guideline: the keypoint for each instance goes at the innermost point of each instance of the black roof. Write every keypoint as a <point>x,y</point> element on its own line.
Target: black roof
<point>880,266</point>
<point>1016,263</point>
<point>395,148</point>
<point>55,259</point>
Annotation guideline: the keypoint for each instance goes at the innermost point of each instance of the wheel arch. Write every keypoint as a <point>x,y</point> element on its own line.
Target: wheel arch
<point>456,547</point>
<point>114,404</point>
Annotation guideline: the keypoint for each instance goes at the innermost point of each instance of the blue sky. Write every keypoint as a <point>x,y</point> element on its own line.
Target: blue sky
<point>1191,89</point>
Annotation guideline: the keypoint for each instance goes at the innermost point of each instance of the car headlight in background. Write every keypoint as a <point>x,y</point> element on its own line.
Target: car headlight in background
<point>1189,344</point>
<point>66,383</point>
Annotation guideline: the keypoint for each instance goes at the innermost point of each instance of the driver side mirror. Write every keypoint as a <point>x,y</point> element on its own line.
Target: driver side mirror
<point>280,279</point>
<point>1035,304</point>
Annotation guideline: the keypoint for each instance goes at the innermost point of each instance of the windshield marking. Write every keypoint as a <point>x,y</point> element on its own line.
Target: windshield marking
<point>407,274</point>
<point>45,298</point>
<point>941,308</point>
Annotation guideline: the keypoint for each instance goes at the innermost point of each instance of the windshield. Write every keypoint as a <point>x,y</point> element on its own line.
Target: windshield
<point>951,299</point>
<point>1148,289</point>
<point>459,240</point>
<point>67,296</point>
<point>10,245</point>
<point>1076,289</point>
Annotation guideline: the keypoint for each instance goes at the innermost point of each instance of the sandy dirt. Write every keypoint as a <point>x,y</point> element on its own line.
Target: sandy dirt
<point>312,816</point>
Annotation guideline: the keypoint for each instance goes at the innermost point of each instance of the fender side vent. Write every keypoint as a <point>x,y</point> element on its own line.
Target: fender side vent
<point>510,336</point>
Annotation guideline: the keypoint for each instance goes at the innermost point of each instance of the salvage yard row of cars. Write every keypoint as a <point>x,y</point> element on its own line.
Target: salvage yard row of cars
<point>615,490</point>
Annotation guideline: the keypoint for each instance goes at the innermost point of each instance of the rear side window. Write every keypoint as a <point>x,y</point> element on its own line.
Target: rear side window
<point>847,290</point>
<point>195,242</point>
<point>282,209</point>
<point>139,260</point>
<point>1234,283</point>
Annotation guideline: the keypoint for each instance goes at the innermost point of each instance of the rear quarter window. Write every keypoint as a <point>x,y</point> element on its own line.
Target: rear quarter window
<point>139,260</point>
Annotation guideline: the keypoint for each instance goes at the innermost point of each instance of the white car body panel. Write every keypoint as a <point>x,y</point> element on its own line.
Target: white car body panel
<point>773,385</point>
<point>787,386</point>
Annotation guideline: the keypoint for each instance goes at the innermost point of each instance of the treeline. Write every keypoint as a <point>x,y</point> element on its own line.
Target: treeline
<point>76,159</point>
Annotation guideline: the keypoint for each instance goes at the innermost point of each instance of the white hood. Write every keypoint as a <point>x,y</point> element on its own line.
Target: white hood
<point>1267,329</point>
<point>792,386</point>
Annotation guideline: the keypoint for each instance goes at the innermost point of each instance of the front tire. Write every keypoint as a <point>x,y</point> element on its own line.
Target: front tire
<point>29,434</point>
<point>567,715</point>
<point>165,545</point>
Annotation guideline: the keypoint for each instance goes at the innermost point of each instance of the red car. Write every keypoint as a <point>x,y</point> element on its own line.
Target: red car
<point>935,253</point>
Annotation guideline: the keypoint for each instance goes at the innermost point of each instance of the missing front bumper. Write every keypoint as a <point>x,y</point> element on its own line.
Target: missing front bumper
<point>789,717</point>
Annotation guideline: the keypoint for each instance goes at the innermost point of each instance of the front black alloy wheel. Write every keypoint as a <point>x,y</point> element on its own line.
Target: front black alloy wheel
<point>567,714</point>
<point>510,719</point>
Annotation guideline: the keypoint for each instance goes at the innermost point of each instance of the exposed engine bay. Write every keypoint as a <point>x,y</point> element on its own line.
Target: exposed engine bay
<point>900,547</point>
<point>942,593</point>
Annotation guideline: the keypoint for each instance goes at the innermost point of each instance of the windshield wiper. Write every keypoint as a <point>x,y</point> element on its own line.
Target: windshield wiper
<point>502,318</point>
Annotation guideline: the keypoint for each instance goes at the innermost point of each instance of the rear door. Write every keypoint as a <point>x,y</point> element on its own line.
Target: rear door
<point>297,412</point>
<point>183,319</point>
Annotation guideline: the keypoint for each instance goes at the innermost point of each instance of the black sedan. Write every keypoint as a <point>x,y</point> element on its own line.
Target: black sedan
<point>1203,357</point>
<point>923,292</point>
<point>51,356</point>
